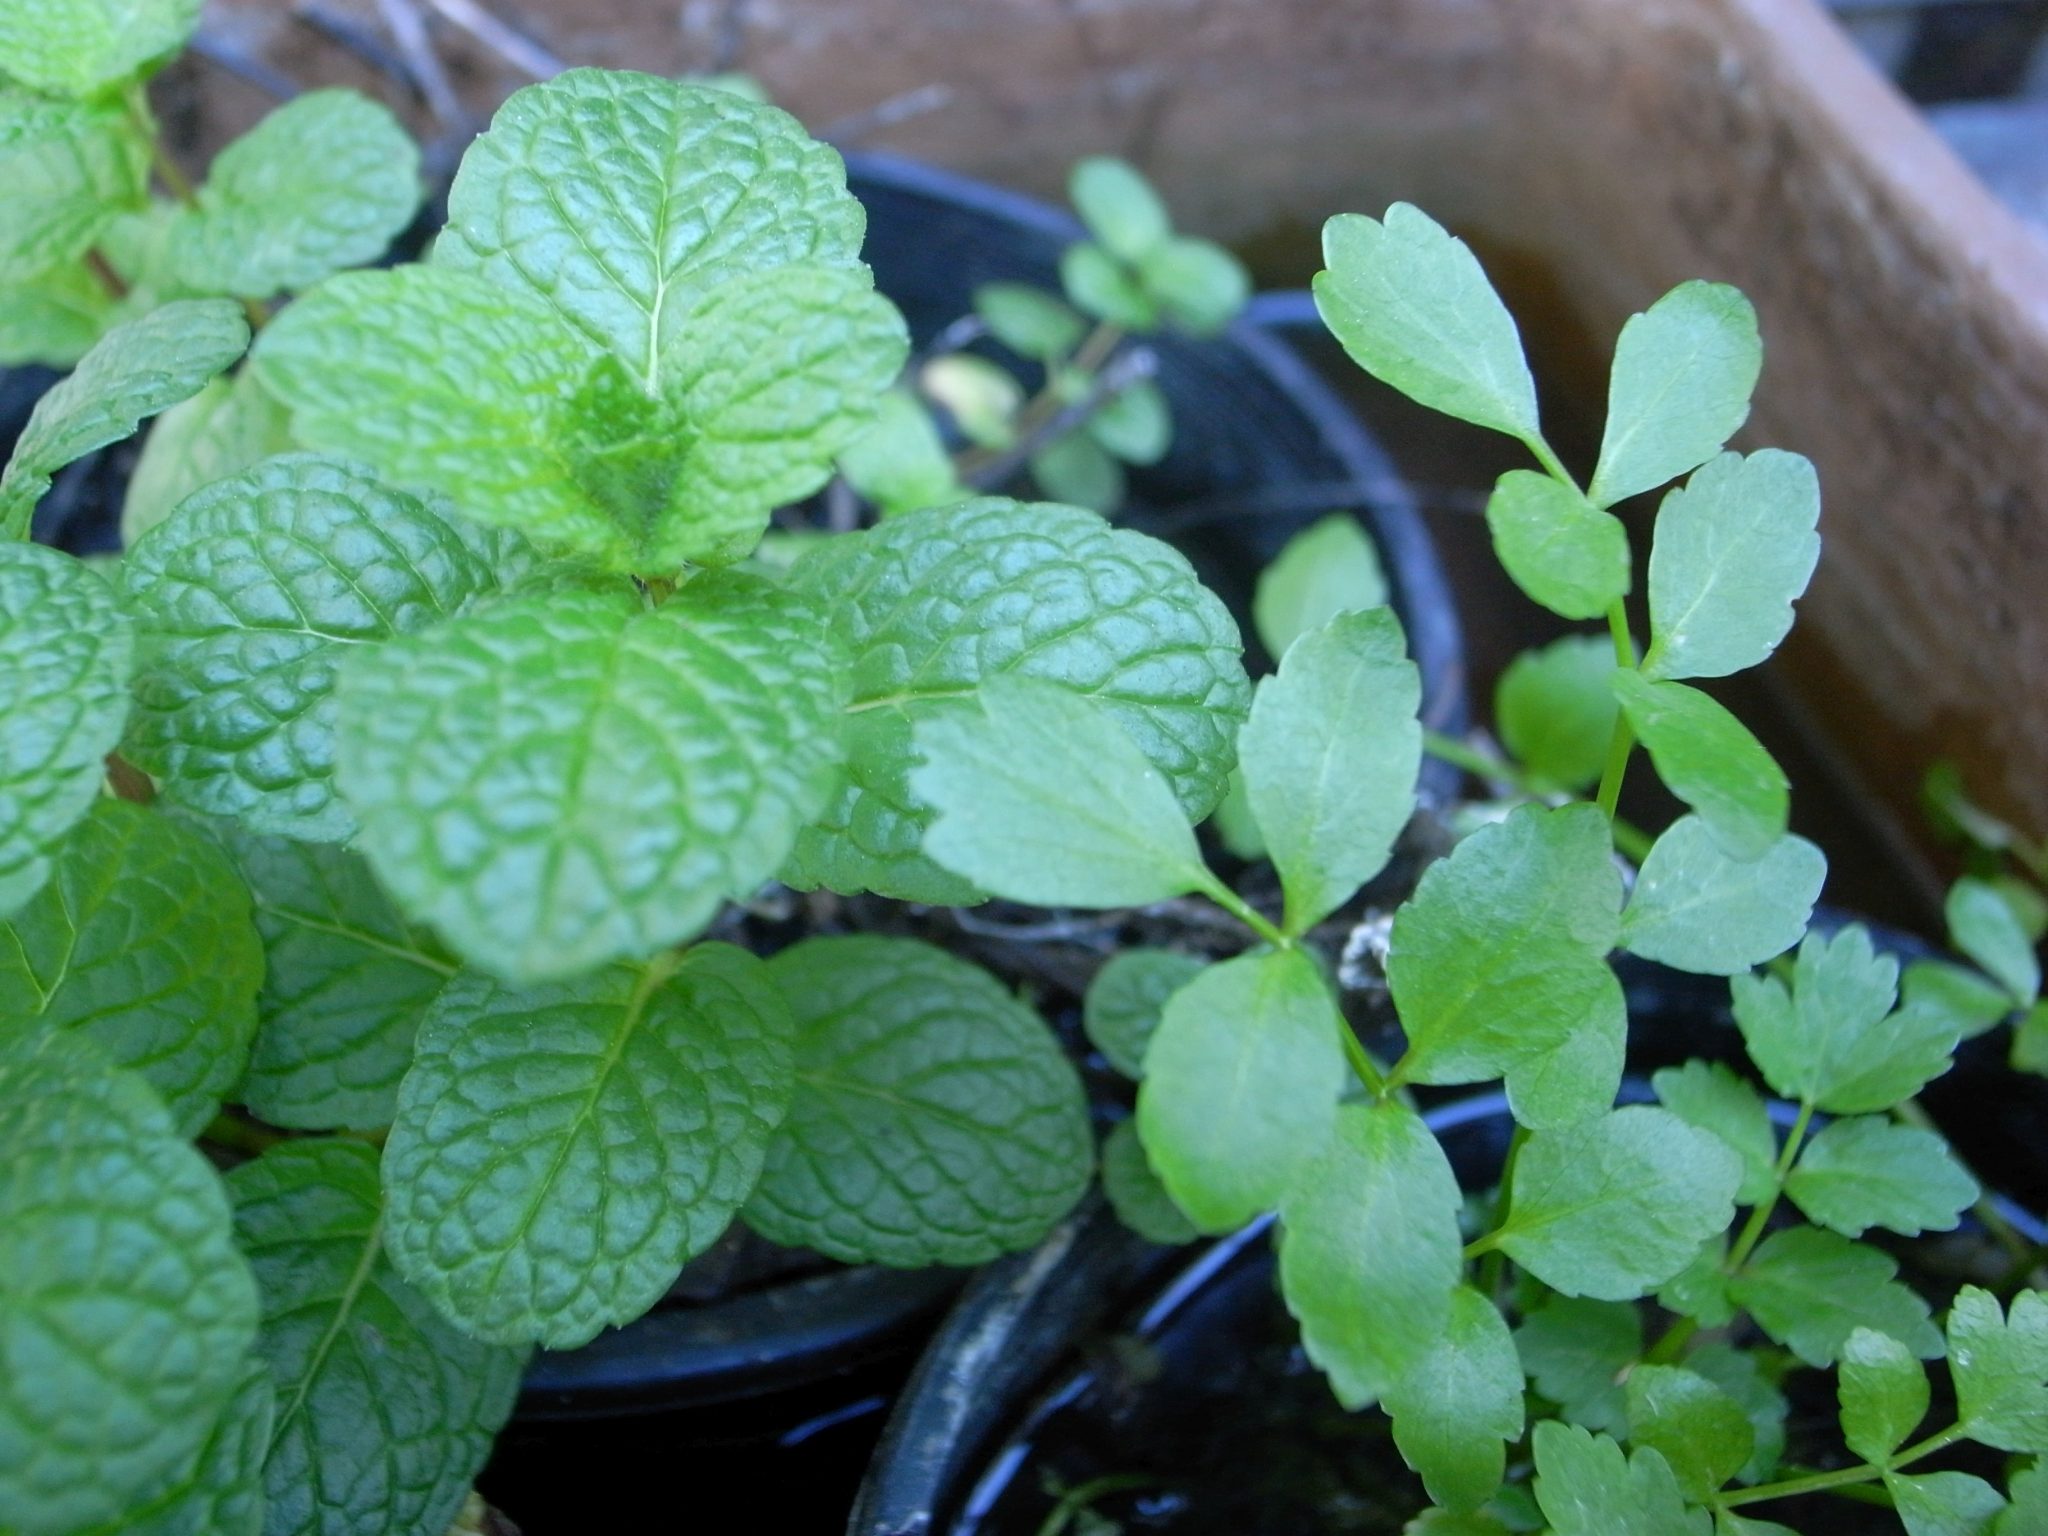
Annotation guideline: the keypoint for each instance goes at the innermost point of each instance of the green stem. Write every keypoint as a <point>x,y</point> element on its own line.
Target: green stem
<point>1494,1264</point>
<point>1753,1230</point>
<point>135,101</point>
<point>1481,765</point>
<point>1819,1482</point>
<point>1078,1498</point>
<point>1623,741</point>
<point>1362,1064</point>
<point>1242,910</point>
<point>1552,464</point>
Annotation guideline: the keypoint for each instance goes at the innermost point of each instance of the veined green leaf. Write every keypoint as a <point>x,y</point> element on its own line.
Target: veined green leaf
<point>1944,1503</point>
<point>1555,709</point>
<point>223,429</point>
<point>54,317</point>
<point>1702,1433</point>
<point>1810,1290</point>
<point>73,47</point>
<point>1559,548</point>
<point>1983,926</point>
<point>1751,1380</point>
<point>1121,1010</point>
<point>69,167</point>
<point>219,1492</point>
<point>1868,1172</point>
<point>1586,1487</point>
<point>1698,908</point>
<point>1329,568</point>
<point>1710,1097</point>
<point>1975,1002</point>
<point>1458,1402</point>
<point>2000,1364</point>
<point>1135,1193</point>
<point>1573,1079</point>
<point>1577,1353</point>
<point>900,463</point>
<point>1709,760</point>
<point>1883,1393</point>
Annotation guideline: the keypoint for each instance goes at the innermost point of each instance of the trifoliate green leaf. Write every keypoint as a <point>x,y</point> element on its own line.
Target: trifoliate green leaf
<point>1555,709</point>
<point>1135,424</point>
<point>1683,372</point>
<point>899,463</point>
<point>346,980</point>
<point>1586,1487</point>
<point>1079,471</point>
<point>1734,548</point>
<point>1135,1193</point>
<point>1029,321</point>
<point>1616,1205</point>
<point>2000,1364</point>
<point>223,429</point>
<point>1330,756</point>
<point>1098,284</point>
<point>219,1492</point>
<point>1810,1289</point>
<point>936,1119</point>
<point>246,603</point>
<point>1708,759</point>
<point>142,942</point>
<point>1745,1376</point>
<point>1414,310</point>
<point>1709,1096</point>
<point>1868,1172</point>
<point>385,1410</point>
<point>1559,548</point>
<point>932,604</point>
<point>69,167</point>
<point>1501,953</point>
<point>1577,1353</point>
<point>1121,1010</point>
<point>1458,1402</point>
<point>125,1311</point>
<point>1702,1433</point>
<point>1329,568</point>
<point>73,47</point>
<point>1369,1248</point>
<point>54,317</point>
<point>1118,205</point>
<point>1241,1084</point>
<point>1967,997</point>
<point>1697,908</point>
<point>134,371</point>
<point>1944,1503</point>
<point>1834,1040</point>
<point>1196,283</point>
<point>560,1151</point>
<point>1883,1392</point>
<point>556,781</point>
<point>66,652</point>
<point>1982,924</point>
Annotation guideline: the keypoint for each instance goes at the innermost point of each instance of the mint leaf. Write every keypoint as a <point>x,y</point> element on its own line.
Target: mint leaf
<point>1559,548</point>
<point>53,318</point>
<point>1811,1289</point>
<point>1944,1503</point>
<point>561,1151</point>
<point>124,1310</point>
<point>1029,321</point>
<point>1455,1406</point>
<point>1884,1394</point>
<point>73,47</point>
<point>1983,925</point>
<point>1702,1433</point>
<point>1614,1206</point>
<point>619,772</point>
<point>1698,908</point>
<point>936,1119</point>
<point>1500,955</point>
<point>1329,568</point>
<point>621,200</point>
<point>1135,1193</point>
<point>1683,372</point>
<point>219,1492</point>
<point>346,981</point>
<point>1555,709</point>
<point>1197,284</point>
<point>247,602</point>
<point>1709,759</point>
<point>1330,756</point>
<point>1578,1353</point>
<point>1118,205</point>
<point>224,428</point>
<point>385,1411</point>
<point>142,942</point>
<point>1710,1097</point>
<point>1369,1249</point>
<point>1834,1040</point>
<point>1121,1010</point>
<point>2000,1364</point>
<point>1868,1172</point>
<point>1734,548</point>
<point>69,168</point>
<point>324,182</point>
<point>1587,1488</point>
<point>900,462</point>
<point>65,656</point>
<point>1241,1084</point>
<point>1414,310</point>
<point>135,370</point>
<point>933,604</point>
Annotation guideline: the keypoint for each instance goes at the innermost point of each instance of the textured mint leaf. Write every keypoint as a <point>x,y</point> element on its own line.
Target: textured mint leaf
<point>621,200</point>
<point>1098,284</point>
<point>1734,548</point>
<point>936,1119</point>
<point>219,1492</point>
<point>1810,1289</point>
<point>1578,1352</point>
<point>1868,1172</point>
<point>1197,284</point>
<point>125,1312</point>
<point>1702,1433</point>
<point>1455,1406</point>
<point>246,603</point>
<point>324,182</point>
<point>1369,1250</point>
<point>346,980</point>
<point>1118,205</point>
<point>2000,1364</point>
<point>224,428</point>
<point>1944,1503</point>
<point>1330,756</point>
<point>1135,1193</point>
<point>1615,1206</point>
<point>72,47</point>
<point>900,462</point>
<point>1709,759</point>
<point>385,1410</point>
<point>560,1151</point>
<point>1710,1097</point>
<point>54,317</point>
<point>66,652</point>
<point>1121,1010</point>
<point>1241,1084</point>
<point>135,370</point>
<point>69,167</point>
<point>1414,310</point>
<point>1970,999</point>
<point>1029,321</point>
<point>1697,908</point>
<point>1983,925</point>
<point>1329,568</point>
<point>1835,1040</point>
<point>1883,1393</point>
<point>1750,1378</point>
<point>1559,548</point>
<point>1586,1487</point>
<point>142,942</point>
<point>1555,709</point>
<point>1500,955</point>
<point>553,782</point>
<point>931,604</point>
<point>1683,373</point>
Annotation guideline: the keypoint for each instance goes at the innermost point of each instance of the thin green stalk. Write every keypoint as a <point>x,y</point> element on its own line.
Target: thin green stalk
<point>1243,911</point>
<point>1820,1482</point>
<point>1482,765</point>
<point>1493,1266</point>
<point>1362,1064</point>
<point>1753,1230</point>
